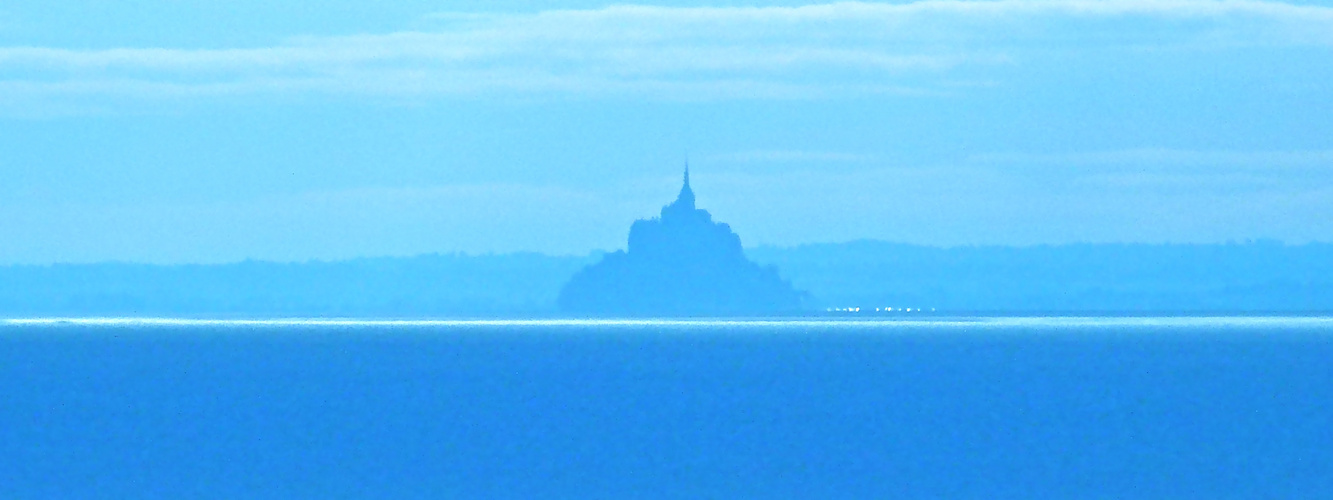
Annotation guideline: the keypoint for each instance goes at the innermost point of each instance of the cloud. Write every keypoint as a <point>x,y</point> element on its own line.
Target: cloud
<point>1166,157</point>
<point>789,156</point>
<point>981,204</point>
<point>321,224</point>
<point>1242,175</point>
<point>814,51</point>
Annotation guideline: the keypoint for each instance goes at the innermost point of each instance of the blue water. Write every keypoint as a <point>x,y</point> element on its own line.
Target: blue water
<point>1010,408</point>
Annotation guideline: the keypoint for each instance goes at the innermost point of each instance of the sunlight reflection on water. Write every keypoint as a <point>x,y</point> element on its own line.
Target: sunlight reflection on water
<point>998,322</point>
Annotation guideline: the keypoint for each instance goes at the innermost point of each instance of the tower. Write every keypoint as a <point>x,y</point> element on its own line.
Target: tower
<point>686,197</point>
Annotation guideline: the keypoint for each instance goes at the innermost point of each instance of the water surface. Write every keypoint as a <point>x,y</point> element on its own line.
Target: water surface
<point>974,408</point>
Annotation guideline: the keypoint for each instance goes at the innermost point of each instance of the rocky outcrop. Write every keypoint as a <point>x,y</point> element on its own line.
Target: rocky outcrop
<point>679,264</point>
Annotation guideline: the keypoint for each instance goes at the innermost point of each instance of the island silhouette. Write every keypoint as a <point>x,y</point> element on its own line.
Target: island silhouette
<point>679,264</point>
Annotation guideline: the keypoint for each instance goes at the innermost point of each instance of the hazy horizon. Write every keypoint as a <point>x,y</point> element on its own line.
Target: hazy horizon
<point>598,252</point>
<point>1250,278</point>
<point>927,249</point>
<point>337,130</point>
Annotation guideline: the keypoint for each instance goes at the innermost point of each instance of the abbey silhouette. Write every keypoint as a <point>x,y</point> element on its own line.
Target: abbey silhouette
<point>679,264</point>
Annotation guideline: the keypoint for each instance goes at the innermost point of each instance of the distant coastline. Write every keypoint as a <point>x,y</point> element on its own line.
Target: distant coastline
<point>1096,279</point>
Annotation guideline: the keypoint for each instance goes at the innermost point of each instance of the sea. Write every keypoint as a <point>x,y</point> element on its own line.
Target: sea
<point>931,408</point>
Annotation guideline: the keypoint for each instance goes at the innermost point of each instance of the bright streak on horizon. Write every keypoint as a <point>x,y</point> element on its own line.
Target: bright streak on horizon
<point>956,323</point>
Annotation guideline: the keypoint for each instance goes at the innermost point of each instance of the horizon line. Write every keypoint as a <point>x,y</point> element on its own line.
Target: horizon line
<point>598,252</point>
<point>944,322</point>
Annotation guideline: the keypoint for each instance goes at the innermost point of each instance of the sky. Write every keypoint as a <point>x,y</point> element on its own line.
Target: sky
<point>180,131</point>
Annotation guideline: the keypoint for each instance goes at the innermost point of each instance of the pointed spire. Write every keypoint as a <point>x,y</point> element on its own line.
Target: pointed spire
<point>686,196</point>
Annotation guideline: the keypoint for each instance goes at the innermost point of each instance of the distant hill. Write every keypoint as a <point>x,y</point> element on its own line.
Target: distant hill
<point>1248,277</point>
<point>424,286</point>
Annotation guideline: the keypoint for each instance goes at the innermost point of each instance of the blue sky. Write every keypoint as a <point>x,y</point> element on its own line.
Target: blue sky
<point>178,131</point>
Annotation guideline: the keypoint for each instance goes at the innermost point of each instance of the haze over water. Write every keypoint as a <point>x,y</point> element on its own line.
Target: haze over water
<point>201,203</point>
<point>974,408</point>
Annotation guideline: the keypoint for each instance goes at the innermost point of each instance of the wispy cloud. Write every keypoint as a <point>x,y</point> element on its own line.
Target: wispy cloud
<point>1171,172</point>
<point>846,48</point>
<point>315,224</point>
<point>1166,157</point>
<point>789,156</point>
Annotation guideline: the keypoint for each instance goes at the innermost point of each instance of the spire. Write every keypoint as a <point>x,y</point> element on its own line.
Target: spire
<point>686,196</point>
